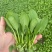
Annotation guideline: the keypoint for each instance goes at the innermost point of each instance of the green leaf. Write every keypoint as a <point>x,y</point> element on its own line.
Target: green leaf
<point>44,24</point>
<point>15,15</point>
<point>33,23</point>
<point>34,19</point>
<point>33,14</point>
<point>13,19</point>
<point>24,20</point>
<point>8,23</point>
<point>41,25</point>
<point>13,23</point>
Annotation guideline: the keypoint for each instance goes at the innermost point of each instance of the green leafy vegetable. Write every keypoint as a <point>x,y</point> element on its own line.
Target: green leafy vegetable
<point>33,15</point>
<point>8,23</point>
<point>28,23</point>
<point>24,20</point>
<point>12,18</point>
<point>13,23</point>
<point>34,19</point>
<point>33,24</point>
<point>41,25</point>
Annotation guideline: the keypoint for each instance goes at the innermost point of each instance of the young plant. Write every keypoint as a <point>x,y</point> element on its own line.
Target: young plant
<point>25,29</point>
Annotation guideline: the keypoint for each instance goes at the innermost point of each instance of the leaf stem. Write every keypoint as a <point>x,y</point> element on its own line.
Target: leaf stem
<point>22,37</point>
<point>24,45</point>
<point>33,41</point>
<point>18,36</point>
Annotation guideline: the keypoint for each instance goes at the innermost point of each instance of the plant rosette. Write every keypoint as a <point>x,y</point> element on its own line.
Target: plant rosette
<point>25,28</point>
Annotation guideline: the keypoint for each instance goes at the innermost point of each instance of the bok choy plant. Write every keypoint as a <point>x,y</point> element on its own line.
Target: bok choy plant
<point>25,28</point>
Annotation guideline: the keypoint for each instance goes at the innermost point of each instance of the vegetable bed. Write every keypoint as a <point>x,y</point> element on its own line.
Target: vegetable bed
<point>43,9</point>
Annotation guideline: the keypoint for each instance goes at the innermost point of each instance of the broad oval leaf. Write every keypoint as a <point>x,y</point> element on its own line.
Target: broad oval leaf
<point>13,22</point>
<point>33,14</point>
<point>41,25</point>
<point>33,23</point>
<point>12,19</point>
<point>8,23</point>
<point>15,15</point>
<point>24,20</point>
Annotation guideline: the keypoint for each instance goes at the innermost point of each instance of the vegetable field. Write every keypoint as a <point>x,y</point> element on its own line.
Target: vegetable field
<point>43,9</point>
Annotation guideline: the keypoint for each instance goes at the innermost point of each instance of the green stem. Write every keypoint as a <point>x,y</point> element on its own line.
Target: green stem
<point>8,23</point>
<point>15,36</point>
<point>18,36</point>
<point>22,38</point>
<point>29,41</point>
<point>24,45</point>
<point>33,41</point>
<point>29,38</point>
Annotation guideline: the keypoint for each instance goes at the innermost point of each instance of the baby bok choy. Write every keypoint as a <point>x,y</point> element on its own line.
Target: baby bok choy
<point>26,26</point>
